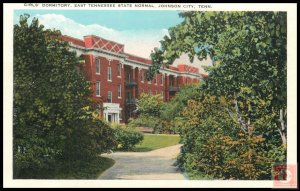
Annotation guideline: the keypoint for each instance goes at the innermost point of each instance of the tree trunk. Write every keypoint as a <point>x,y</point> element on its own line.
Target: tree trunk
<point>282,130</point>
<point>243,124</point>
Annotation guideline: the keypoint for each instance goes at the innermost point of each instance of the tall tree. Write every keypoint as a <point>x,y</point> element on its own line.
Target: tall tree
<point>52,111</point>
<point>249,56</point>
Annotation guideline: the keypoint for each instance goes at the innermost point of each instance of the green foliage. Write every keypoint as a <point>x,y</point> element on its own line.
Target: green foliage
<point>171,112</point>
<point>149,105</point>
<point>145,121</point>
<point>149,109</point>
<point>164,117</point>
<point>237,135</point>
<point>216,145</point>
<point>127,138</point>
<point>53,117</point>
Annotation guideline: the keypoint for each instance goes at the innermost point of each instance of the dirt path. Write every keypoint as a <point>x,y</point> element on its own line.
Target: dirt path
<point>153,165</point>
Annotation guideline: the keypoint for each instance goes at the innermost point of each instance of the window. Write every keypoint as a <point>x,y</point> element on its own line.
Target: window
<point>155,92</point>
<point>150,92</point>
<point>109,97</point>
<point>129,77</point>
<point>162,79</point>
<point>143,76</point>
<point>97,66</point>
<point>162,94</point>
<point>154,80</point>
<point>98,89</point>
<point>119,70</point>
<point>109,73</point>
<point>120,91</point>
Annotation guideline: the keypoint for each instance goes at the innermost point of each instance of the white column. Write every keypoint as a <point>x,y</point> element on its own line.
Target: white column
<point>117,118</point>
<point>105,116</point>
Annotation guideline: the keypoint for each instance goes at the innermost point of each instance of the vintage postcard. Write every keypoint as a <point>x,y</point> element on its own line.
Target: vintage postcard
<point>150,95</point>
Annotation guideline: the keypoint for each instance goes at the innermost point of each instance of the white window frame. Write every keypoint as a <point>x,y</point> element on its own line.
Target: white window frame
<point>143,76</point>
<point>97,62</point>
<point>109,74</point>
<point>109,92</point>
<point>162,94</point>
<point>120,91</point>
<point>98,84</point>
<point>119,70</point>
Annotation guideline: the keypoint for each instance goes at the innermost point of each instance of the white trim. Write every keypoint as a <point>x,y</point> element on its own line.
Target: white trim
<point>97,61</point>
<point>133,63</point>
<point>98,82</point>
<point>112,109</point>
<point>111,96</point>
<point>142,76</point>
<point>119,68</point>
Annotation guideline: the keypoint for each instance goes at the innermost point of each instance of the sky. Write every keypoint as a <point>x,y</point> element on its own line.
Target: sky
<point>139,30</point>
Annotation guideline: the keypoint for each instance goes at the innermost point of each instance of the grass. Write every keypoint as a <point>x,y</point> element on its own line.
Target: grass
<point>156,141</point>
<point>77,170</point>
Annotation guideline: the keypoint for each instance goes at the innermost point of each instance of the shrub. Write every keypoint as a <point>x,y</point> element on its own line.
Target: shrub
<point>145,121</point>
<point>127,138</point>
<point>215,145</point>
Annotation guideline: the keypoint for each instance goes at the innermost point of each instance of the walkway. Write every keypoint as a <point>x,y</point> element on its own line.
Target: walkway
<point>153,165</point>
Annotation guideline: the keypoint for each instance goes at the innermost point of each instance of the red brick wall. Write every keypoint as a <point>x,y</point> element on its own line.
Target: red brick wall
<point>88,41</point>
<point>105,85</point>
<point>187,68</point>
<point>98,42</point>
<point>152,87</point>
<point>139,59</point>
<point>73,40</point>
<point>89,69</point>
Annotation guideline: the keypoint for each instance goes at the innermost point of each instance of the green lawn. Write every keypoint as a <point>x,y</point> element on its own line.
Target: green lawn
<point>156,141</point>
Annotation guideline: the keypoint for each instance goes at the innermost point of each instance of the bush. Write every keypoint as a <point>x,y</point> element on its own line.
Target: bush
<point>216,146</point>
<point>127,138</point>
<point>145,121</point>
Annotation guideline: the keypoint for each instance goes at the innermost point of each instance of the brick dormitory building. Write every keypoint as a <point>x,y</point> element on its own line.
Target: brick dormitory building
<point>119,78</point>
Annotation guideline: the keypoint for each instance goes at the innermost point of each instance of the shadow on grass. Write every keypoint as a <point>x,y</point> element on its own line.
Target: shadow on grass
<point>91,170</point>
<point>77,170</point>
